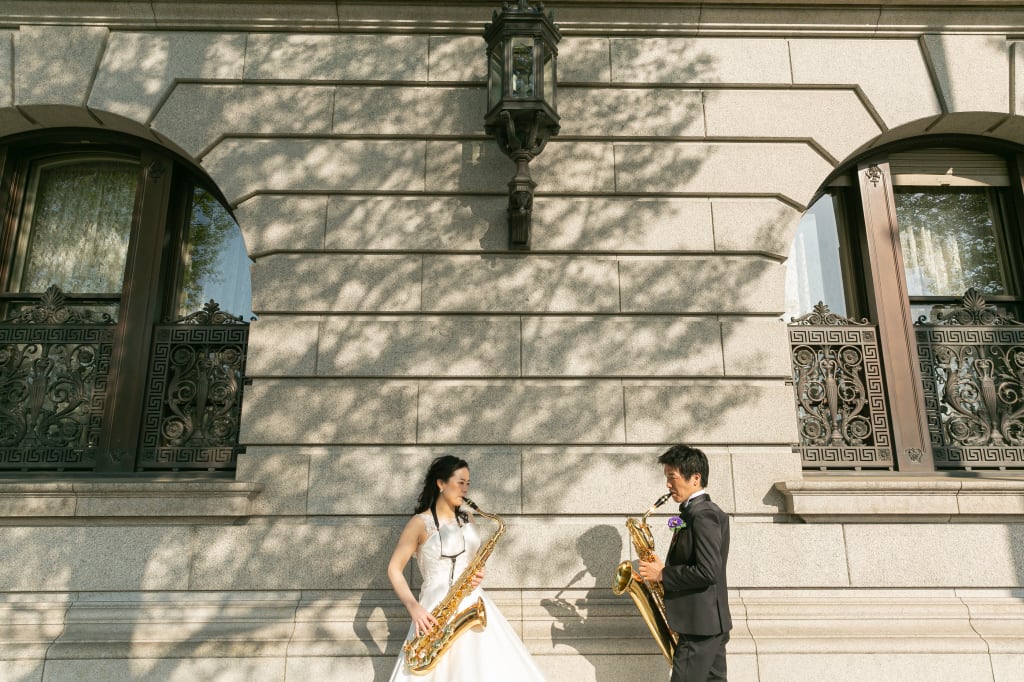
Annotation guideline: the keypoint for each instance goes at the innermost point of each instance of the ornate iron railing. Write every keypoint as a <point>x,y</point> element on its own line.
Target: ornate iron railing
<point>55,355</point>
<point>54,362</point>
<point>840,396</point>
<point>972,364</point>
<point>194,396</point>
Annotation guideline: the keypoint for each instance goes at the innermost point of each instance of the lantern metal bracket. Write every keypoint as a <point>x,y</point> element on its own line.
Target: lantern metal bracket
<point>521,186</point>
<point>522,114</point>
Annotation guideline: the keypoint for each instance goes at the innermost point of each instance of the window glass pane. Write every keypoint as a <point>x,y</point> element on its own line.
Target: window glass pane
<point>949,242</point>
<point>216,265</point>
<point>813,271</point>
<point>79,218</point>
<point>522,67</point>
<point>495,77</point>
<point>549,79</point>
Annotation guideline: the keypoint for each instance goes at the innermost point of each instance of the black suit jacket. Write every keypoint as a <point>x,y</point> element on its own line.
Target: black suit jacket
<point>696,588</point>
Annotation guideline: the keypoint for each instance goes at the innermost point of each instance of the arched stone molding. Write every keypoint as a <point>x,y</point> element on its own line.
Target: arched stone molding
<point>34,118</point>
<point>93,77</point>
<point>906,80</point>
<point>975,127</point>
<point>126,73</point>
<point>25,120</point>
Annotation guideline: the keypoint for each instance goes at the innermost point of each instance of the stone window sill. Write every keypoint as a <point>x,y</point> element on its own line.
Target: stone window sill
<point>830,499</point>
<point>119,497</point>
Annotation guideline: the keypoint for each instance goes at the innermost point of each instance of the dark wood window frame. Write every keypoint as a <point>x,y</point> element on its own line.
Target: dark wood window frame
<point>151,270</point>
<point>877,290</point>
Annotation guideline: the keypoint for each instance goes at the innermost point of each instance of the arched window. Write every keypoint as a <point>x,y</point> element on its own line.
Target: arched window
<point>905,284</point>
<point>125,301</point>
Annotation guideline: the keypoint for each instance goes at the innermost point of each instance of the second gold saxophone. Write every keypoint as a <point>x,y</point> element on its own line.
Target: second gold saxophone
<point>423,653</point>
<point>649,597</point>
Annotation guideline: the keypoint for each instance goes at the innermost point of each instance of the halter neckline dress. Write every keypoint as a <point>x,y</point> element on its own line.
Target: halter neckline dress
<point>491,654</point>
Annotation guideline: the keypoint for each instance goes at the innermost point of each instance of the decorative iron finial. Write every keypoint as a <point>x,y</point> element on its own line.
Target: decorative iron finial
<point>54,309</point>
<point>973,310</point>
<point>211,314</point>
<point>821,316</point>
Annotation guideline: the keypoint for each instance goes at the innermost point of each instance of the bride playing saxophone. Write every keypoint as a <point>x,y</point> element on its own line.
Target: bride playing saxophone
<point>443,537</point>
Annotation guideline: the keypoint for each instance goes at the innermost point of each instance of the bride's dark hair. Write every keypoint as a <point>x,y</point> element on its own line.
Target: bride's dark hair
<point>441,469</point>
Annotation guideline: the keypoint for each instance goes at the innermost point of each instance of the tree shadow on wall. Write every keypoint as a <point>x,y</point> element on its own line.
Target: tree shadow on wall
<point>452,385</point>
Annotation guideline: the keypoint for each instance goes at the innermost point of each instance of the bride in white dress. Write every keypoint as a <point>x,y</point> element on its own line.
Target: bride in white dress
<point>444,539</point>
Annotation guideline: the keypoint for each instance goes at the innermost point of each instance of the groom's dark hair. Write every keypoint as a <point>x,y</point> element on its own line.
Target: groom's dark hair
<point>688,461</point>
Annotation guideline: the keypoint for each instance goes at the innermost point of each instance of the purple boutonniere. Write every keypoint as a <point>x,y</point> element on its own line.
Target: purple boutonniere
<point>675,523</point>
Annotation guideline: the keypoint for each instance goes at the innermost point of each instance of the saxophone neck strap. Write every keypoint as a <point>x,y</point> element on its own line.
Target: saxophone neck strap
<point>433,512</point>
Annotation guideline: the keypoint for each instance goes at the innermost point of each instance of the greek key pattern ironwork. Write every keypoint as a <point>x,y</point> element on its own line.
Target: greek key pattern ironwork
<point>53,383</point>
<point>194,398</point>
<point>840,396</point>
<point>972,365</point>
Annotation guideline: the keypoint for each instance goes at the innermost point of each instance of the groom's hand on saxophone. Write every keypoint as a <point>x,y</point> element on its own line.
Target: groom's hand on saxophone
<point>477,579</point>
<point>651,570</point>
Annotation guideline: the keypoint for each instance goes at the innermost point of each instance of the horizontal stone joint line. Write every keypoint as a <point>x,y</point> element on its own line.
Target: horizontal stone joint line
<point>582,194</point>
<point>507,443</point>
<point>702,27</point>
<point>703,378</point>
<point>514,313</point>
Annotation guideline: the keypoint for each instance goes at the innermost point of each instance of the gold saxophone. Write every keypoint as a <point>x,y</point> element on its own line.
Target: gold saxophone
<point>422,653</point>
<point>649,597</point>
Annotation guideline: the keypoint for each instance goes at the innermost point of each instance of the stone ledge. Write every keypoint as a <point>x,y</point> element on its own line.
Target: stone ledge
<point>904,499</point>
<point>151,497</point>
<point>853,17</point>
<point>349,624</point>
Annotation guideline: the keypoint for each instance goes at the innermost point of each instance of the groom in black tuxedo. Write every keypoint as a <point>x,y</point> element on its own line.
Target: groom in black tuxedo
<point>696,590</point>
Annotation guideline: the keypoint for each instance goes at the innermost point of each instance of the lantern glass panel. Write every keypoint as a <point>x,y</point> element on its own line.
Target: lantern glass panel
<point>522,68</point>
<point>549,80</point>
<point>495,76</point>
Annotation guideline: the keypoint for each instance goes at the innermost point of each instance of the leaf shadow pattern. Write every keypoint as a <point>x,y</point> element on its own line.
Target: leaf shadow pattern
<point>398,378</point>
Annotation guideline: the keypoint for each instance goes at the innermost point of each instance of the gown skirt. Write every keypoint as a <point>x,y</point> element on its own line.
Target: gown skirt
<point>494,653</point>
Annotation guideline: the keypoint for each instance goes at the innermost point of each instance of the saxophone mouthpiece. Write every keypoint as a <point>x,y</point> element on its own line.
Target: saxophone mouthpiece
<point>471,503</point>
<point>657,503</point>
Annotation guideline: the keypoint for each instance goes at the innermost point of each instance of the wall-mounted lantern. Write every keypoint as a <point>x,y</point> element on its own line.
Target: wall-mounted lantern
<point>522,112</point>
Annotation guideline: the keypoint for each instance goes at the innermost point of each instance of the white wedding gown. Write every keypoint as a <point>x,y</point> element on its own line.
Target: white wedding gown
<point>491,654</point>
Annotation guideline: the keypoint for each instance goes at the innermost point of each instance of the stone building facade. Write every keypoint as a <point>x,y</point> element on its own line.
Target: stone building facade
<point>393,324</point>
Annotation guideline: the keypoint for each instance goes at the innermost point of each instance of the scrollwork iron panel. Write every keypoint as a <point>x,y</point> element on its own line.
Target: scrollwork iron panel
<point>53,384</point>
<point>194,396</point>
<point>972,365</point>
<point>840,396</point>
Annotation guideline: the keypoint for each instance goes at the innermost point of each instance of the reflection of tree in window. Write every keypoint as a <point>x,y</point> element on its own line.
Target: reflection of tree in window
<point>949,241</point>
<point>216,264</point>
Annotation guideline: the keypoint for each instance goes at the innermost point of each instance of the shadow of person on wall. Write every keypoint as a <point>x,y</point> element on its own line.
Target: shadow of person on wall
<point>600,549</point>
<point>381,627</point>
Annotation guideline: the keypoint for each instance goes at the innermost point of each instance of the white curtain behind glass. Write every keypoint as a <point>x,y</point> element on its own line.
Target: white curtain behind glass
<point>80,223</point>
<point>813,271</point>
<point>948,237</point>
